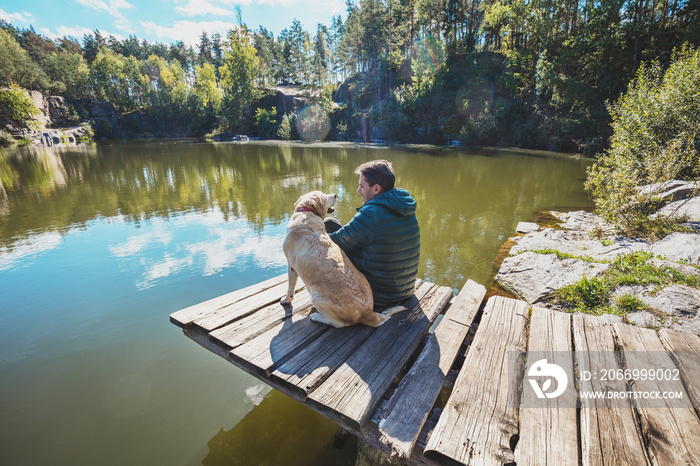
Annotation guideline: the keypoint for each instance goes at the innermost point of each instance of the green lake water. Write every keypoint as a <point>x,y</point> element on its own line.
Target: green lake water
<point>99,244</point>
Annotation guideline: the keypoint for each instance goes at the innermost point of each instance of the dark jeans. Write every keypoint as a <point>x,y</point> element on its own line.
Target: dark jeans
<point>332,224</point>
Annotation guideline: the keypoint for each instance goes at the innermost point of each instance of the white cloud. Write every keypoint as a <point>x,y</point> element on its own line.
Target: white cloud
<point>203,7</point>
<point>24,17</point>
<point>187,31</point>
<point>112,7</point>
<point>75,31</point>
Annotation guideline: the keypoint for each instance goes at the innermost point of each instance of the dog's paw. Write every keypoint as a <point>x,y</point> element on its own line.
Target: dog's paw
<point>286,300</point>
<point>320,318</point>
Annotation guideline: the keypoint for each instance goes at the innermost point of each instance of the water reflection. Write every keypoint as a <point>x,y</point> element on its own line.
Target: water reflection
<point>296,437</point>
<point>100,243</point>
<point>25,251</point>
<point>203,242</point>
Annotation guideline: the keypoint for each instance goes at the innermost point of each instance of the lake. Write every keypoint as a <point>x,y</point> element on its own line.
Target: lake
<point>100,243</point>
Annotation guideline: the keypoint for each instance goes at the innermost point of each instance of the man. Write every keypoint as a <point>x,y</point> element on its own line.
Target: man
<point>383,239</point>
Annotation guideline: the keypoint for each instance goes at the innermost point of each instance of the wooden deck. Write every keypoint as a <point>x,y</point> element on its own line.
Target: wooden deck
<point>426,393</point>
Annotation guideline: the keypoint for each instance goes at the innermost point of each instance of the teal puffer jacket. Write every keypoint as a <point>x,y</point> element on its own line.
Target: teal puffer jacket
<point>383,241</point>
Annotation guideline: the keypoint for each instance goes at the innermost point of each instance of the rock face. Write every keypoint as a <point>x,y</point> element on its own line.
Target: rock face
<point>533,272</point>
<point>51,137</point>
<point>533,276</point>
<point>53,111</point>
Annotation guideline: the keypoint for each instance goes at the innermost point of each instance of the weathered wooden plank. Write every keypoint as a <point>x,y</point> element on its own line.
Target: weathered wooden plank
<point>685,352</point>
<point>548,427</point>
<point>243,330</point>
<point>671,426</point>
<point>410,405</point>
<point>306,370</point>
<point>242,308</point>
<point>273,347</point>
<point>350,394</point>
<point>609,434</point>
<point>186,316</point>
<point>480,418</point>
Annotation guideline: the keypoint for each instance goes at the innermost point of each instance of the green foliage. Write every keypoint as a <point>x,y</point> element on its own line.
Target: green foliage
<point>639,225</point>
<point>587,294</point>
<point>239,73</point>
<point>103,128</point>
<point>6,139</point>
<point>593,294</point>
<point>68,74</point>
<point>286,127</point>
<point>89,133</point>
<point>629,303</point>
<point>429,60</point>
<point>656,131</point>
<point>206,89</point>
<point>16,66</point>
<point>19,103</point>
<point>563,255</point>
<point>266,122</point>
<point>637,269</point>
<point>528,74</point>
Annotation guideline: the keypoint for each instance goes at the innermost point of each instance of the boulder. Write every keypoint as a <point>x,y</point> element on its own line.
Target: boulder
<point>577,243</point>
<point>672,190</point>
<point>534,276</point>
<point>679,247</point>
<point>582,221</point>
<point>689,208</point>
<point>526,227</point>
<point>676,300</point>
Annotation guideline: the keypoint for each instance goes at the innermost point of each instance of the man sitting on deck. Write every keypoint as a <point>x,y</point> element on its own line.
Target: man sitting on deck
<point>383,239</point>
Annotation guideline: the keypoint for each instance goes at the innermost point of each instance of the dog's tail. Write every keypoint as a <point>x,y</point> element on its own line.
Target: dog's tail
<point>378,318</point>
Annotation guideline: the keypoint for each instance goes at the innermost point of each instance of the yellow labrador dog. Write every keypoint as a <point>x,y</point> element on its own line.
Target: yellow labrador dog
<point>339,291</point>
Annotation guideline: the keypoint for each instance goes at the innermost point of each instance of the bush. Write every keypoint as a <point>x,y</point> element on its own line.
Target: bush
<point>266,122</point>
<point>284,131</point>
<point>656,131</point>
<point>19,102</point>
<point>6,139</point>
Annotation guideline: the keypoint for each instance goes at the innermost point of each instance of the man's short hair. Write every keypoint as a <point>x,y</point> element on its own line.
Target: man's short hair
<point>378,172</point>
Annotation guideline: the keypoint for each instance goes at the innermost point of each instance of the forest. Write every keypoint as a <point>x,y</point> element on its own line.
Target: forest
<point>529,74</point>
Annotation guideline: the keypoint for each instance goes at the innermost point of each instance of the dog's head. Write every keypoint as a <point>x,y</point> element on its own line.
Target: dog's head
<point>316,202</point>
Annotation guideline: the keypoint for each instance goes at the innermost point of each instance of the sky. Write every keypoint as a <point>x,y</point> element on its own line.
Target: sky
<point>164,21</point>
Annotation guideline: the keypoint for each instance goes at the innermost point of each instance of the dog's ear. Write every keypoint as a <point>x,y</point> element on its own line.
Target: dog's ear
<point>296,204</point>
<point>318,205</point>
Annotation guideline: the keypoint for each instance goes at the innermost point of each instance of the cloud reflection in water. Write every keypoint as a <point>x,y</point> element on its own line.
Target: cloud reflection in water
<point>205,243</point>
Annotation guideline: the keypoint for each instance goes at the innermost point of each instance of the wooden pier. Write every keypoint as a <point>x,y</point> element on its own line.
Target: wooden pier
<point>430,386</point>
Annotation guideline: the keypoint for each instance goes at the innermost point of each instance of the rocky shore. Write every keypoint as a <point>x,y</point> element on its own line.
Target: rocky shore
<point>582,245</point>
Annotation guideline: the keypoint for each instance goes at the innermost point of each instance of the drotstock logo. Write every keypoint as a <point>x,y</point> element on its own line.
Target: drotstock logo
<point>543,370</point>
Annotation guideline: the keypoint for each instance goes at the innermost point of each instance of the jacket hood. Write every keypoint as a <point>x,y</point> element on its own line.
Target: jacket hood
<point>398,199</point>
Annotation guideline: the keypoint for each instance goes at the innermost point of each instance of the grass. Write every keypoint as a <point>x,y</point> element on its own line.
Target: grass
<point>565,255</point>
<point>592,295</point>
<point>630,303</point>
